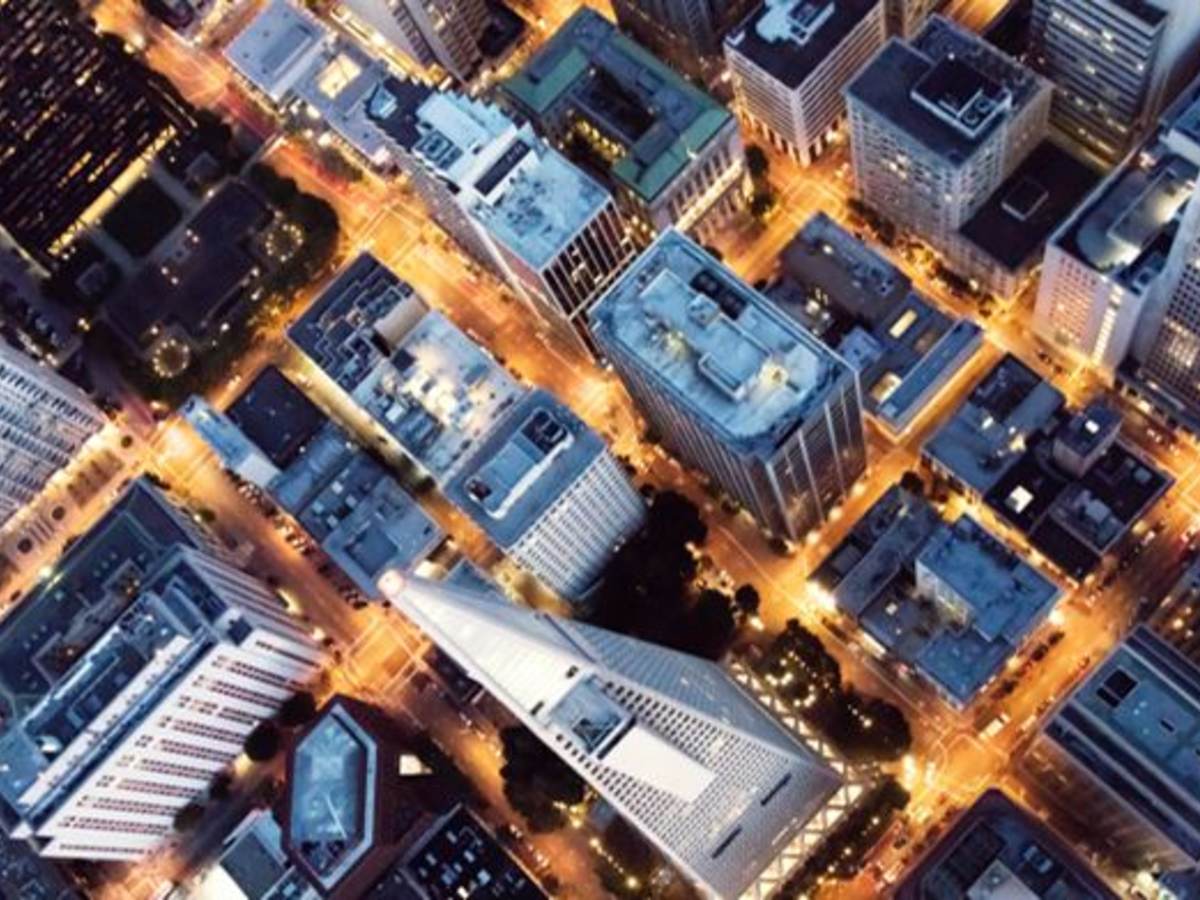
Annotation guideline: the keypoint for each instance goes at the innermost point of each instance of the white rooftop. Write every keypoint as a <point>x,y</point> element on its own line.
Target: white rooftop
<point>277,47</point>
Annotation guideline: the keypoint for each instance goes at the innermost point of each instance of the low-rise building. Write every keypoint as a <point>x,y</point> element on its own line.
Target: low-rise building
<point>670,153</point>
<point>947,601</point>
<point>734,386</point>
<point>346,501</point>
<point>1120,755</point>
<point>252,865</point>
<point>998,849</point>
<point>791,59</point>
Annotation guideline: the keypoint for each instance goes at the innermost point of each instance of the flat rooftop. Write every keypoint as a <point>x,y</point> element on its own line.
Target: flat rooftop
<point>85,592</point>
<point>1135,726</point>
<point>1013,225</point>
<point>997,849</point>
<point>535,202</point>
<point>521,469</point>
<point>656,115</point>
<point>338,84</point>
<point>859,282</point>
<point>276,416</point>
<point>791,38</point>
<point>716,346</point>
<point>986,435</point>
<point>278,43</point>
<point>947,88</point>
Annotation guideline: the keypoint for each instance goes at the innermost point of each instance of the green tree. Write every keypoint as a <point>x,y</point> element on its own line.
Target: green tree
<point>189,817</point>
<point>536,782</point>
<point>263,742</point>
<point>757,162</point>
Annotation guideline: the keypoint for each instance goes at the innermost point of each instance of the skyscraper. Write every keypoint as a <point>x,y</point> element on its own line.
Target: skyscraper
<point>44,420</point>
<point>790,61</point>
<point>686,33</point>
<point>1116,65</point>
<point>937,123</point>
<point>142,719</point>
<point>735,386</point>
<point>513,202</point>
<point>669,740</point>
<point>445,32</point>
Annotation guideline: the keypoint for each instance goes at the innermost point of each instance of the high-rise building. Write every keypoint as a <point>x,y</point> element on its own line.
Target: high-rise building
<point>442,32</point>
<point>513,202</point>
<point>82,118</point>
<point>1119,754</point>
<point>1102,292</point>
<point>790,61</point>
<point>549,493</point>
<point>937,124</point>
<point>142,717</point>
<point>734,386</point>
<point>44,421</point>
<point>686,33</point>
<point>905,17</point>
<point>1116,64</point>
<point>670,153</point>
<point>668,740</point>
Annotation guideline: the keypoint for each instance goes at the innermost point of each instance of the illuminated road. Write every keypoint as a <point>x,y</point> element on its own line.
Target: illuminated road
<point>950,763</point>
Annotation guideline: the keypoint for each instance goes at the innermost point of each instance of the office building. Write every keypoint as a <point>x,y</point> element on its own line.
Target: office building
<point>252,865</point>
<point>1115,64</point>
<point>303,68</point>
<point>1120,755</point>
<point>445,33</point>
<point>670,153</point>
<point>685,33</point>
<point>348,504</point>
<point>668,740</point>
<point>905,17</point>
<point>428,389</point>
<point>1099,300</point>
<point>734,386</point>
<point>44,422</point>
<point>997,849</point>
<point>549,493</point>
<point>83,120</point>
<point>513,202</point>
<point>790,61</point>
<point>138,720</point>
<point>937,124</point>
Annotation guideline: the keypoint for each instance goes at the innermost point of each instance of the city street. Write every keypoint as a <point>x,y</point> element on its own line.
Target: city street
<point>950,764</point>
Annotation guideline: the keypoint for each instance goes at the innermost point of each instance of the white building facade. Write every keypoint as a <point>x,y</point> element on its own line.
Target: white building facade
<point>44,421</point>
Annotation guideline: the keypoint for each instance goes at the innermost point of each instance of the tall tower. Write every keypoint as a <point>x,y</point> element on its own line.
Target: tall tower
<point>1116,64</point>
<point>686,33</point>
<point>667,739</point>
<point>44,420</point>
<point>445,32</point>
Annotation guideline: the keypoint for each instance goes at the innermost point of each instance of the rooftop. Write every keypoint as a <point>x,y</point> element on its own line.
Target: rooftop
<point>337,85</point>
<point>85,593</point>
<point>426,383</point>
<point>276,416</point>
<point>718,347</point>
<point>947,88</point>
<point>1135,725</point>
<point>996,849</point>
<point>1089,429</point>
<point>660,119</point>
<point>252,866</point>
<point>278,45</point>
<point>791,38</point>
<point>987,434</point>
<point>522,468</point>
<point>1015,222</point>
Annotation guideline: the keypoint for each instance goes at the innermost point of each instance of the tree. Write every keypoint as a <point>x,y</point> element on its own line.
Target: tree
<point>221,786</point>
<point>537,784</point>
<point>761,204</point>
<point>263,742</point>
<point>708,628</point>
<point>188,817</point>
<point>298,709</point>
<point>757,163</point>
<point>913,483</point>
<point>747,600</point>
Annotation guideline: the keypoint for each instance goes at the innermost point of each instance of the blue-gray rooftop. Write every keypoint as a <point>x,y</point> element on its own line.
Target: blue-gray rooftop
<point>947,88</point>
<point>1135,726</point>
<point>715,346</point>
<point>276,416</point>
<point>521,470</point>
